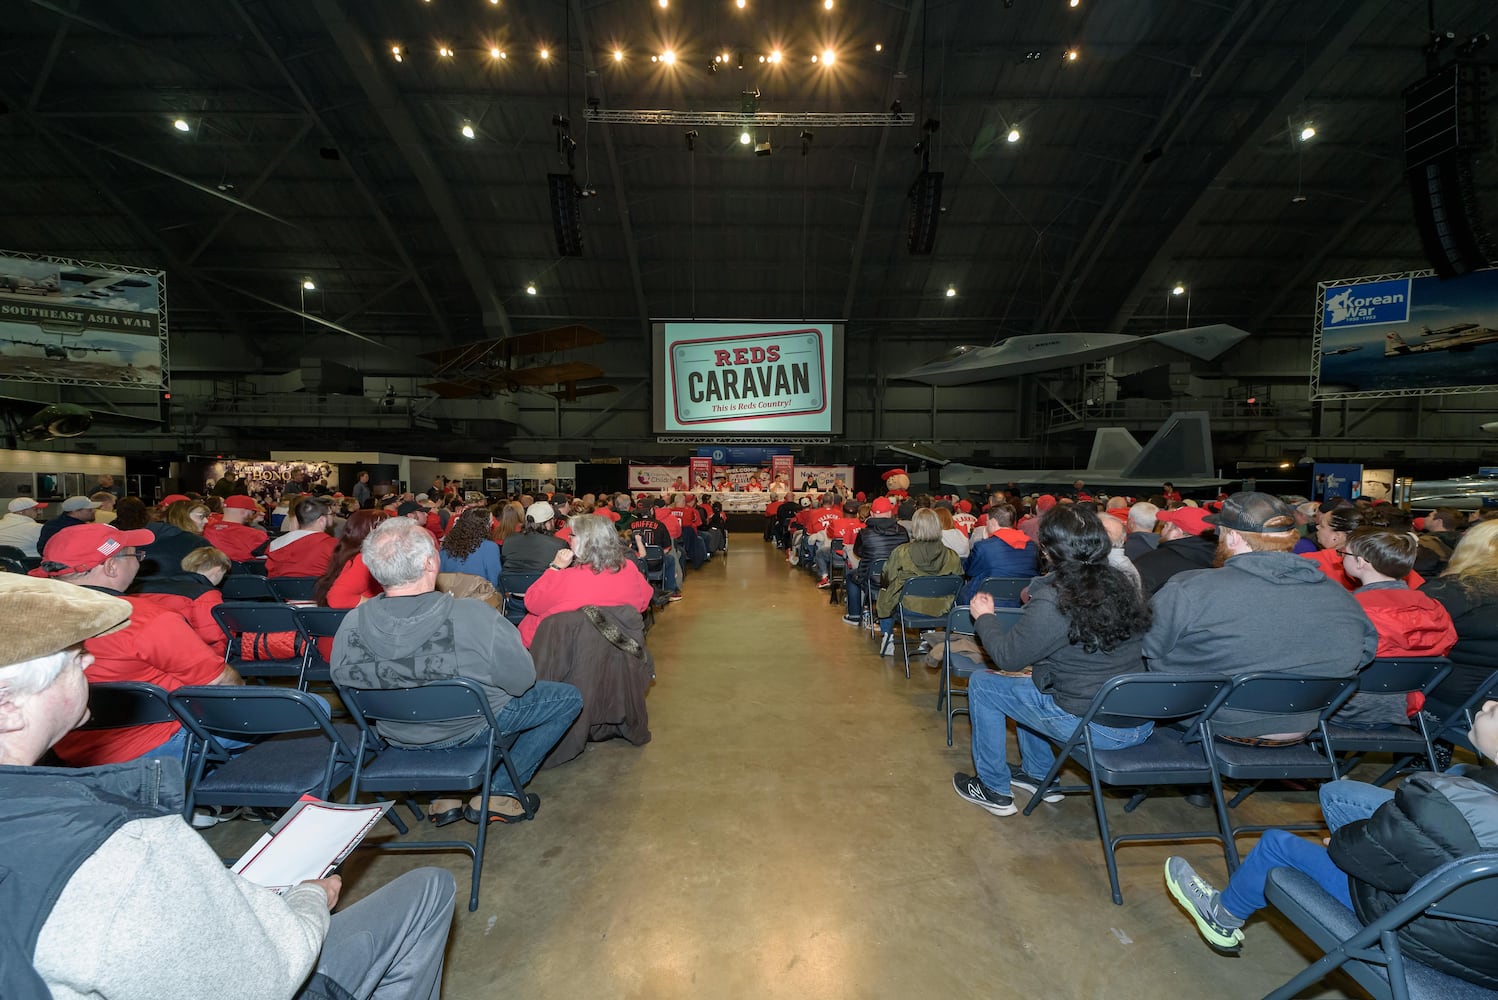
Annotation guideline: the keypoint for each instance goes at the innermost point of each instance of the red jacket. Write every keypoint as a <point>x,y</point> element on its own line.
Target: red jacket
<point>237,541</point>
<point>1409,623</point>
<point>1330,561</point>
<point>199,614</point>
<point>158,647</point>
<point>300,553</point>
<point>353,585</point>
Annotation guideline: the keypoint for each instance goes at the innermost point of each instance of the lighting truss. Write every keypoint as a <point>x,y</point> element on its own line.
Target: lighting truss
<point>736,441</point>
<point>761,119</point>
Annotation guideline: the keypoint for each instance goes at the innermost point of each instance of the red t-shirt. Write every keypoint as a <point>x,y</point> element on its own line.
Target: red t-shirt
<point>158,647</point>
<point>354,583</point>
<point>300,554</point>
<point>846,528</point>
<point>237,541</point>
<point>199,614</point>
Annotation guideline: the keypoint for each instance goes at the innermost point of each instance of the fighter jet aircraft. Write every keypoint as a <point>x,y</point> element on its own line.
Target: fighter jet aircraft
<point>1030,353</point>
<point>1461,337</point>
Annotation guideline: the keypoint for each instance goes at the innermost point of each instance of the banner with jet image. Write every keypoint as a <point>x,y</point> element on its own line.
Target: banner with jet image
<point>75,322</point>
<point>1409,334</point>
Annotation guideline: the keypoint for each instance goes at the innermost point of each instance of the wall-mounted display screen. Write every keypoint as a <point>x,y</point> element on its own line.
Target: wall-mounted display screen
<point>748,378</point>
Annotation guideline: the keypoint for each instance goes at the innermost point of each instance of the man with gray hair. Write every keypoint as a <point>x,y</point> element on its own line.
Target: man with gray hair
<point>412,635</point>
<point>1141,525</point>
<point>101,854</point>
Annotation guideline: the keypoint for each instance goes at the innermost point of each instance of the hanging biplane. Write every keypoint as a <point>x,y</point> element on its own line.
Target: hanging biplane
<point>509,364</point>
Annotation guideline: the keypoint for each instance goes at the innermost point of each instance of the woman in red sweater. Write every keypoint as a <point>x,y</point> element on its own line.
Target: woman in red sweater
<point>594,570</point>
<point>345,583</point>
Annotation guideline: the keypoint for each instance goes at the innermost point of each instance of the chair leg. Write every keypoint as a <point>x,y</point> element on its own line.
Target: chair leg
<point>1102,825</point>
<point>1243,793</point>
<point>393,815</point>
<point>1224,825</point>
<point>1136,800</point>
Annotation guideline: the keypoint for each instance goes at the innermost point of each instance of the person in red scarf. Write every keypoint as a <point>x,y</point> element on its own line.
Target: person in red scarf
<point>1006,551</point>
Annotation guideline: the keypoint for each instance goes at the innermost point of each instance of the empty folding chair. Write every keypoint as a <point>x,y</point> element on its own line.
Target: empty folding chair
<point>1005,590</point>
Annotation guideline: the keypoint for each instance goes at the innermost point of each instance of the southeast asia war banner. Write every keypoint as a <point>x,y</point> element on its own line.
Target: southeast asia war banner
<point>79,323</point>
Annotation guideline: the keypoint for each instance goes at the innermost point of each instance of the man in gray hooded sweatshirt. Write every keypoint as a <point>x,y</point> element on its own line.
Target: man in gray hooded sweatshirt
<point>1264,609</point>
<point>412,635</point>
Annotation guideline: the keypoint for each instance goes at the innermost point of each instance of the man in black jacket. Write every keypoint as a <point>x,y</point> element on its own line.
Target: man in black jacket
<point>1187,541</point>
<point>879,537</point>
<point>1382,843</point>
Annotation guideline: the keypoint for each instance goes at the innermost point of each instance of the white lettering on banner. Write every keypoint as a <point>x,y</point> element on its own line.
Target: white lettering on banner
<point>743,377</point>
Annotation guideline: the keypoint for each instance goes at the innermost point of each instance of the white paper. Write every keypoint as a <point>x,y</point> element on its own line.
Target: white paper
<point>308,842</point>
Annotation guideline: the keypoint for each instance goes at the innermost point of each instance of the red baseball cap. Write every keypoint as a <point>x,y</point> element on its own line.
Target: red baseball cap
<point>84,546</point>
<point>170,499</point>
<point>1192,520</point>
<point>884,505</point>
<point>242,502</point>
<point>894,472</point>
<point>966,506</point>
<point>1044,502</point>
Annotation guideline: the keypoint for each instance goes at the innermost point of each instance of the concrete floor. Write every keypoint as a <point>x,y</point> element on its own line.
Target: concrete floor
<point>791,831</point>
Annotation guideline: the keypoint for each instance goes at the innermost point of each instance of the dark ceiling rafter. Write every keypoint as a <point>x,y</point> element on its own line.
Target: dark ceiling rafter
<point>620,196</point>
<point>1348,22</point>
<point>1218,54</point>
<point>253,189</point>
<point>871,192</point>
<point>385,100</point>
<point>50,63</point>
<point>361,183</point>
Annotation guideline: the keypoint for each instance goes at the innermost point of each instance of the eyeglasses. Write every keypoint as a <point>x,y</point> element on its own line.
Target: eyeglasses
<point>137,554</point>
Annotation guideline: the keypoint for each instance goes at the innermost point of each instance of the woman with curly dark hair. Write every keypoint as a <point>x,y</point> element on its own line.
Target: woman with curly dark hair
<point>346,582</point>
<point>466,547</point>
<point>1083,625</point>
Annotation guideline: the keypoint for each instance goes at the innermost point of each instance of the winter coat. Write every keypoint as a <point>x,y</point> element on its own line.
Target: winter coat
<point>1172,557</point>
<point>1474,611</point>
<point>911,560</point>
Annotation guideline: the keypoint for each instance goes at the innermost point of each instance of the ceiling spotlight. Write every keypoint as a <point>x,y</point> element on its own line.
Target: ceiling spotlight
<point>813,59</point>
<point>503,54</point>
<point>775,56</point>
<point>494,3</point>
<point>1308,132</point>
<point>663,3</point>
<point>826,4</point>
<point>546,53</point>
<point>828,57</point>
<point>494,52</point>
<point>727,58</point>
<point>761,58</point>
<point>668,57</point>
<point>1179,289</point>
<point>951,291</point>
<point>530,288</point>
<point>618,55</point>
<point>181,125</point>
<point>467,129</point>
<point>740,4</point>
<point>655,58</point>
<point>1033,55</point>
<point>1073,3</point>
<point>878,46</point>
<point>1013,135</point>
<point>745,138</point>
<point>445,52</point>
<point>309,284</point>
<point>1071,55</point>
<point>395,50</point>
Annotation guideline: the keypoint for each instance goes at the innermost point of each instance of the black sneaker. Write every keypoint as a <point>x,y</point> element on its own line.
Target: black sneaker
<point>979,794</point>
<point>1031,784</point>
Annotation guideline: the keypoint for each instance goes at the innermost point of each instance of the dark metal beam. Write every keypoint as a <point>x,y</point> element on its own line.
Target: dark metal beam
<point>1348,22</point>
<point>871,192</point>
<point>50,62</point>
<point>252,190</point>
<point>368,69</point>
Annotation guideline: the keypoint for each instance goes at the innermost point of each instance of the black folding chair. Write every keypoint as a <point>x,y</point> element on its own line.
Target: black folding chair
<point>655,567</point>
<point>875,572</point>
<point>924,587</point>
<point>313,624</point>
<point>1168,757</point>
<point>293,588</point>
<point>297,749</point>
<point>240,588</point>
<point>1005,590</point>
<point>391,768</point>
<point>954,666</point>
<point>837,570</point>
<point>1392,676</point>
<point>513,586</point>
<point>1465,890</point>
<point>1456,728</point>
<point>125,704</point>
<point>245,624</point>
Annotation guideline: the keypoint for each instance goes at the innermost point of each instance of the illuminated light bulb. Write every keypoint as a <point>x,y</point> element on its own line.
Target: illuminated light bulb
<point>494,52</point>
<point>951,291</point>
<point>503,54</point>
<point>726,58</point>
<point>1178,290</point>
<point>745,138</point>
<point>618,55</point>
<point>664,3</point>
<point>775,56</point>
<point>467,129</point>
<point>1074,3</point>
<point>445,52</point>
<point>829,57</point>
<point>181,125</point>
<point>530,289</point>
<point>395,50</point>
<point>668,57</point>
<point>878,47</point>
<point>309,284</point>
<point>826,4</point>
<point>740,4</point>
<point>655,58</point>
<point>1013,135</point>
<point>761,58</point>
<point>1308,133</point>
<point>1071,55</point>
<point>546,53</point>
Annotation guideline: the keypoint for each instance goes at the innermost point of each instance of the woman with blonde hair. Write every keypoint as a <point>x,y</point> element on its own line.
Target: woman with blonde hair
<point>1469,592</point>
<point>179,531</point>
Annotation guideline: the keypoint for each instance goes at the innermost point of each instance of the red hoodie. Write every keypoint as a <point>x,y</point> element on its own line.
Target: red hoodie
<point>300,553</point>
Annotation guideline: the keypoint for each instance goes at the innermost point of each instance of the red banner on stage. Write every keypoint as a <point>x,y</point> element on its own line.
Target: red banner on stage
<point>783,470</point>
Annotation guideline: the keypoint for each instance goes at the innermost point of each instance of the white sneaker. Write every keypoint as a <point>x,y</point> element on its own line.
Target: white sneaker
<point>211,816</point>
<point>887,645</point>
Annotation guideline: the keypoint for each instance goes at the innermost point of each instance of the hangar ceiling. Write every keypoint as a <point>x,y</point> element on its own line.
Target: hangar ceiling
<point>1168,150</point>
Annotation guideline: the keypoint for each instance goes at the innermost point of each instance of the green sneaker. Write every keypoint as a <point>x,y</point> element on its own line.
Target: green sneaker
<point>1202,902</point>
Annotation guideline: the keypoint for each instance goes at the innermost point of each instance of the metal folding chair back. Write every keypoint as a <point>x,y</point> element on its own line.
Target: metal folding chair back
<point>960,623</point>
<point>1391,676</point>
<point>1167,757</point>
<point>297,749</point>
<point>243,623</point>
<point>293,588</point>
<point>124,704</point>
<point>406,770</point>
<point>1465,890</point>
<point>1004,588</point>
<point>514,585</point>
<point>924,588</point>
<point>244,587</point>
<point>875,572</point>
<point>313,624</point>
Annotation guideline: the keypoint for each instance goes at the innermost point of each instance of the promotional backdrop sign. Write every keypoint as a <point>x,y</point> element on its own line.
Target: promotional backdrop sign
<point>701,470</point>
<point>1336,480</point>
<point>72,322</point>
<point>1406,335</point>
<point>783,467</point>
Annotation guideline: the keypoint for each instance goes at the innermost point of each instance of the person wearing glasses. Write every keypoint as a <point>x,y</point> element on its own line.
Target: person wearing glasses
<point>158,646</point>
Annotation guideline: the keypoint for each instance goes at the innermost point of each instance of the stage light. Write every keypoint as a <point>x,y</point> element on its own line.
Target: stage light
<point>546,54</point>
<point>725,58</point>
<point>1071,55</point>
<point>467,129</point>
<point>762,58</point>
<point>1308,132</point>
<point>309,284</point>
<point>745,138</point>
<point>1179,289</point>
<point>828,57</point>
<point>1074,3</point>
<point>826,4</point>
<point>1013,135</point>
<point>395,50</point>
<point>740,3</point>
<point>668,57</point>
<point>445,52</point>
<point>663,3</point>
<point>181,125</point>
<point>494,52</point>
<point>878,46</point>
<point>951,291</point>
<point>530,289</point>
<point>775,56</point>
<point>618,55</point>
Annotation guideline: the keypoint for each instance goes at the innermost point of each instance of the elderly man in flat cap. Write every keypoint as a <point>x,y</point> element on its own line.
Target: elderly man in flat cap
<point>108,893</point>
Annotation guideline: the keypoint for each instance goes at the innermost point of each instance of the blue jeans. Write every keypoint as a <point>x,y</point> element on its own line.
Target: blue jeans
<point>540,716</point>
<point>1342,802</point>
<point>993,698</point>
<point>855,597</point>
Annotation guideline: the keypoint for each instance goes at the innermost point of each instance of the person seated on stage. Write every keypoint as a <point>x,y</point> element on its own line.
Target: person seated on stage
<point>1382,842</point>
<point>1468,590</point>
<point>924,555</point>
<point>158,646</point>
<point>880,536</point>
<point>412,635</point>
<point>1332,534</point>
<point>1143,516</point>
<point>467,549</point>
<point>1082,626</point>
<point>179,531</point>
<point>195,593</point>
<point>102,855</point>
<point>234,533</point>
<point>307,549</point>
<point>1265,609</point>
<point>594,569</point>
<point>346,582</point>
<point>1188,541</point>
<point>1004,552</point>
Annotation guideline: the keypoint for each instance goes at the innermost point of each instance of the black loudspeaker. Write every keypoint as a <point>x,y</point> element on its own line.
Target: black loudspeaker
<point>566,218</point>
<point>1445,121</point>
<point>925,212</point>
